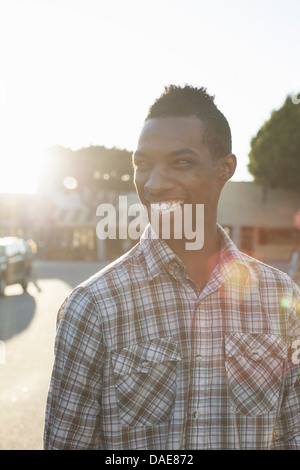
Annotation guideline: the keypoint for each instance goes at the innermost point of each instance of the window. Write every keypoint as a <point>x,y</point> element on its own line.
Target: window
<point>278,236</point>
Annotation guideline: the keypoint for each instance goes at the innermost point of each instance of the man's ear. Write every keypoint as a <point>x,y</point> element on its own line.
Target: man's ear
<point>227,166</point>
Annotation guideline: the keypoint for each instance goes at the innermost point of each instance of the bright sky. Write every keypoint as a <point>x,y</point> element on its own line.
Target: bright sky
<point>84,72</point>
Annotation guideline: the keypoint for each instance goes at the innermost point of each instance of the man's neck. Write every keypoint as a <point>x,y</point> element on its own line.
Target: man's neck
<point>200,263</point>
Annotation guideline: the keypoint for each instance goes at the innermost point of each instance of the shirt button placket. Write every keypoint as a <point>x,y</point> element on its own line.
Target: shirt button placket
<point>197,412</point>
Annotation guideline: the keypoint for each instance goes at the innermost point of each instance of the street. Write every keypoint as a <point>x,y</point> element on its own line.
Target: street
<point>27,333</point>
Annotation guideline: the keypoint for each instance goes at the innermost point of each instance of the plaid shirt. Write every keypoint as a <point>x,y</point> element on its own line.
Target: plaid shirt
<point>146,360</point>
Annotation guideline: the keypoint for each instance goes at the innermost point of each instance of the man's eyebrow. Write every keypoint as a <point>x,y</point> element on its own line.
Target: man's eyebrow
<point>183,151</point>
<point>174,153</point>
<point>138,153</point>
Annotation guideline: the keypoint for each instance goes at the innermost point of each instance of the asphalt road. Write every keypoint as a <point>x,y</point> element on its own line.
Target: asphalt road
<point>27,332</point>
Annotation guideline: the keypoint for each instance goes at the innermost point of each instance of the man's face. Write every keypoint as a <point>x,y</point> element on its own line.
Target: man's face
<point>172,165</point>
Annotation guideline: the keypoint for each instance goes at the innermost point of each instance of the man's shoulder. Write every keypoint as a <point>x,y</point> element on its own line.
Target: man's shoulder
<point>266,275</point>
<point>112,279</point>
<point>120,269</point>
<point>269,275</point>
<point>277,291</point>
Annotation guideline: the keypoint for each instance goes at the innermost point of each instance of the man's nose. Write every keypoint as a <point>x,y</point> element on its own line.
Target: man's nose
<point>158,182</point>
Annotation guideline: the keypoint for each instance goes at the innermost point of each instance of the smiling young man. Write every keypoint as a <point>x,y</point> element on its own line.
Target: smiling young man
<point>171,347</point>
<point>173,163</point>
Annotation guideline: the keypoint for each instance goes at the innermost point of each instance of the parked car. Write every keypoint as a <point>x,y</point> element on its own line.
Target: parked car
<point>15,262</point>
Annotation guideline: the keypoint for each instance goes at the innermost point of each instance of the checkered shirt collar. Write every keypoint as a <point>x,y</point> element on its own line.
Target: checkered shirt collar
<point>159,256</point>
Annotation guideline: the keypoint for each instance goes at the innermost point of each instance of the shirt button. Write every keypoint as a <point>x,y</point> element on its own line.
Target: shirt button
<point>197,414</point>
<point>255,354</point>
<point>198,358</point>
<point>145,363</point>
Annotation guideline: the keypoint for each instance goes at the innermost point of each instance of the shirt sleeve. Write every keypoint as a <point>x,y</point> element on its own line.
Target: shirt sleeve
<point>287,431</point>
<point>74,398</point>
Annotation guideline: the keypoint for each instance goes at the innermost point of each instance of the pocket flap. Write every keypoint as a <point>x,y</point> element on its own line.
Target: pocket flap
<point>255,346</point>
<point>141,357</point>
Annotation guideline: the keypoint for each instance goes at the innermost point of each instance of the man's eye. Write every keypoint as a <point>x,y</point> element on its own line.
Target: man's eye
<point>184,161</point>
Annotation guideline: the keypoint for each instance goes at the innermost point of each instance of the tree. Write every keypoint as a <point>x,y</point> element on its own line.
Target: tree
<point>97,168</point>
<point>275,150</point>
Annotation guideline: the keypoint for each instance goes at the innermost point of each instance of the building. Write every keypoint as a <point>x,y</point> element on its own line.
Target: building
<point>64,223</point>
<point>261,222</point>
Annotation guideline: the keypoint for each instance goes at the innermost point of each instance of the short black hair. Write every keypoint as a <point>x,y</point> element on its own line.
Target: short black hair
<point>191,101</point>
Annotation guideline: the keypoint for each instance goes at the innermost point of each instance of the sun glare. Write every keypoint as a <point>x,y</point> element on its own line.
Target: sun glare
<point>70,183</point>
<point>19,170</point>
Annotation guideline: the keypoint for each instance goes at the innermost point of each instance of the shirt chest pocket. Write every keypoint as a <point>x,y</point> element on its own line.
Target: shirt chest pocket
<point>145,380</point>
<point>254,365</point>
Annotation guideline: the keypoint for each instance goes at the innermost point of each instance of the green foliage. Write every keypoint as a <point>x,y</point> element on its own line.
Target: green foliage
<point>275,150</point>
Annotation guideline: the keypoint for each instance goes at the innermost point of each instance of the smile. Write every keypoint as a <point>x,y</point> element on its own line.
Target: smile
<point>167,207</point>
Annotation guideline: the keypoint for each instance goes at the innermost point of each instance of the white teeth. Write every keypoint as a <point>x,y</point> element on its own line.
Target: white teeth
<point>165,207</point>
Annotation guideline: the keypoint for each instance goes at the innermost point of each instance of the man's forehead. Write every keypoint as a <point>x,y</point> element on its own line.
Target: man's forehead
<point>171,133</point>
<point>172,124</point>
